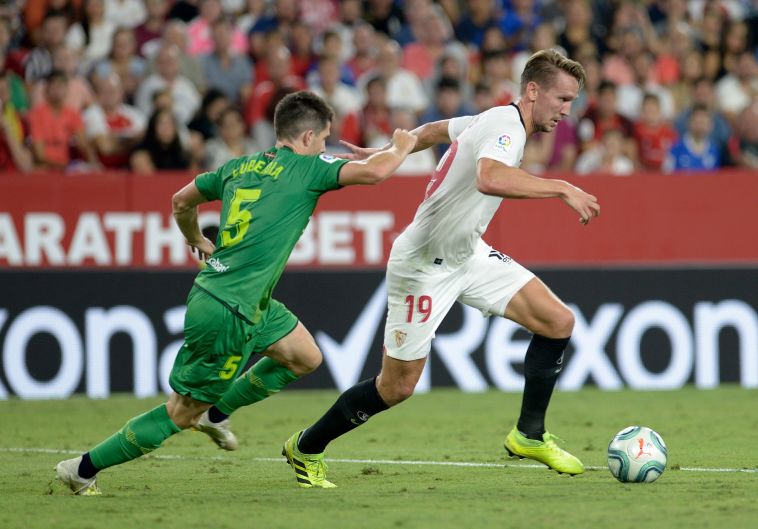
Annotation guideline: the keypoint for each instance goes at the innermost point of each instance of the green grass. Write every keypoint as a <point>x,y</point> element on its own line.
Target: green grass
<point>207,488</point>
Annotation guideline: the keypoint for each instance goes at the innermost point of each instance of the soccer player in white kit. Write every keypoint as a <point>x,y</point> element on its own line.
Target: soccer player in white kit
<point>441,258</point>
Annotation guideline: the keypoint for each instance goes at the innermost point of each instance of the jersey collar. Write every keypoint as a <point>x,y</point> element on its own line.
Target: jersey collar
<point>514,105</point>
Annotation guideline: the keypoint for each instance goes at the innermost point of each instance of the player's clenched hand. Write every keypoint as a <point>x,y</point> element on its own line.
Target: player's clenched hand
<point>203,248</point>
<point>583,203</point>
<point>404,140</point>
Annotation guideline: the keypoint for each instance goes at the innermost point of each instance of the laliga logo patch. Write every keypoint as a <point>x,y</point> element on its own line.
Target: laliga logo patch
<point>503,143</point>
<point>328,158</point>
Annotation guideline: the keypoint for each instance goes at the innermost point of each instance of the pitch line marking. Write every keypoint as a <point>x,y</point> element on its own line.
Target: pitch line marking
<point>364,461</point>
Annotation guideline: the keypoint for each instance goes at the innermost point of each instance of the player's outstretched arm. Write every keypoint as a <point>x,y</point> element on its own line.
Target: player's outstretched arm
<point>496,178</point>
<point>428,135</point>
<point>184,206</point>
<point>380,165</point>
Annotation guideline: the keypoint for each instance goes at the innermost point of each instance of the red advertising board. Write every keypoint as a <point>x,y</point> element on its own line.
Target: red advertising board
<point>124,221</point>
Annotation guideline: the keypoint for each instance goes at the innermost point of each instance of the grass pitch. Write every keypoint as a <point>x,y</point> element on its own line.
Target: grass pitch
<point>189,483</point>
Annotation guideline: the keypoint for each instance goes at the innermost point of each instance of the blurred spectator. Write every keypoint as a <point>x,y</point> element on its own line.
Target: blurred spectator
<point>734,44</point>
<point>695,151</point>
<point>415,12</point>
<point>607,156</point>
<point>601,116</point>
<point>13,153</point>
<point>16,87</point>
<point>588,95</point>
<point>301,48</point>
<point>54,128</point>
<point>226,70</point>
<point>543,38</point>
<point>231,142</point>
<point>200,35</point>
<point>125,13</point>
<point>204,122</point>
<point>496,72</point>
<point>175,34</point>
<point>279,64</point>
<point>385,16</point>
<point>709,33</point>
<point>703,93</point>
<point>253,12</point>
<point>161,149</point>
<point>113,126</point>
<point>91,37</point>
<point>124,62</point>
<point>331,45</point>
<point>452,66</point>
<point>691,71</point>
<point>555,151</point>
<point>39,62</point>
<point>375,116</point>
<point>735,91</point>
<point>403,87</point>
<point>343,98</point>
<point>478,16</point>
<point>630,96</point>
<point>318,14</point>
<point>152,28</point>
<point>580,28</point>
<point>78,94</point>
<point>618,67</point>
<point>366,50</point>
<point>36,11</point>
<point>418,163</point>
<point>484,99</point>
<point>435,33</point>
<point>654,135</point>
<point>186,97</point>
<point>284,14</point>
<point>448,103</point>
<point>746,153</point>
<point>519,23</point>
<point>350,17</point>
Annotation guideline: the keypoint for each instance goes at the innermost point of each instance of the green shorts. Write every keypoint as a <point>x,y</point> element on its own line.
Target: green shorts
<point>218,344</point>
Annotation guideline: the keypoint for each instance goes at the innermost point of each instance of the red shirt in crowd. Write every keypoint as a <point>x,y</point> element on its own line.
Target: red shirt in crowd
<point>653,143</point>
<point>55,130</point>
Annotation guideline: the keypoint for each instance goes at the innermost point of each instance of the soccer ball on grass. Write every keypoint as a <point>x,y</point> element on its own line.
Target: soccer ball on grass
<point>637,454</point>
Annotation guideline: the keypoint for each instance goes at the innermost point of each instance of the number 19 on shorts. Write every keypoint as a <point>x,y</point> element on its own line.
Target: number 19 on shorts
<point>421,305</point>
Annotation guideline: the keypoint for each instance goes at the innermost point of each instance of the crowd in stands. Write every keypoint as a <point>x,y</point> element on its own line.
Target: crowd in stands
<point>152,85</point>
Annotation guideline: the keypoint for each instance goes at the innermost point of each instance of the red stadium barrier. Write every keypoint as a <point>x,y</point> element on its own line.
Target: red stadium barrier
<point>124,220</point>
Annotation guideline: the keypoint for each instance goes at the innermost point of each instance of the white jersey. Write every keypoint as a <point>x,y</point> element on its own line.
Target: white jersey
<point>453,216</point>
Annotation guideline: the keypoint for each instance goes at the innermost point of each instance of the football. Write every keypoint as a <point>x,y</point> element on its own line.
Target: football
<point>637,454</point>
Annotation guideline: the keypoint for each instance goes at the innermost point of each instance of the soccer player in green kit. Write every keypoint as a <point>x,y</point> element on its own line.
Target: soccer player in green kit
<point>267,199</point>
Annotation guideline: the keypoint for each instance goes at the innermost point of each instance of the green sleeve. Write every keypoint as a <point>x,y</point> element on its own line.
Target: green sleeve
<point>211,184</point>
<point>324,173</point>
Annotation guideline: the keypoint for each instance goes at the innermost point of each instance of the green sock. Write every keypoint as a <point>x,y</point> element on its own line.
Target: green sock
<point>261,381</point>
<point>139,436</point>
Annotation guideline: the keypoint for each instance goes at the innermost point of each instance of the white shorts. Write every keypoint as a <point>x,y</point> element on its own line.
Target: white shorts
<point>418,301</point>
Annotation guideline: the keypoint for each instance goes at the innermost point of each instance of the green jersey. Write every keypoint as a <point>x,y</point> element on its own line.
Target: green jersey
<point>267,200</point>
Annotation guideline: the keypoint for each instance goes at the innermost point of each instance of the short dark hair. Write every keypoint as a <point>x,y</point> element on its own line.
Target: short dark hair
<point>299,112</point>
<point>544,64</point>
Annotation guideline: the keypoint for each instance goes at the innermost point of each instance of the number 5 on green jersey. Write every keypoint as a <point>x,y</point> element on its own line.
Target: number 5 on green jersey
<point>238,219</point>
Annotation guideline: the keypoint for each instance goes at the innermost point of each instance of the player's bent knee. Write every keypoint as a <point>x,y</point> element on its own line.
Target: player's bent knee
<point>395,392</point>
<point>561,324</point>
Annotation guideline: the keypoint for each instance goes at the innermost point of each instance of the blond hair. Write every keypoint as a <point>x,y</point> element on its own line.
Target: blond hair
<point>543,66</point>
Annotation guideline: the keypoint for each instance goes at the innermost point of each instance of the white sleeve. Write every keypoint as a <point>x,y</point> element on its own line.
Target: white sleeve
<point>94,122</point>
<point>499,135</point>
<point>456,125</point>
